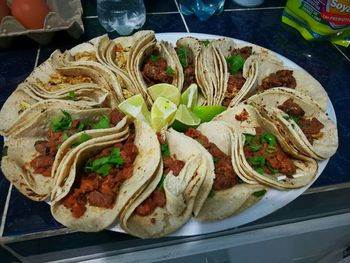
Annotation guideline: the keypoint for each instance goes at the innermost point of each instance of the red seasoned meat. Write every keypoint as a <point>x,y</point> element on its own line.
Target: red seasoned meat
<point>291,108</point>
<point>234,85</point>
<point>115,116</point>
<point>98,199</point>
<point>281,78</point>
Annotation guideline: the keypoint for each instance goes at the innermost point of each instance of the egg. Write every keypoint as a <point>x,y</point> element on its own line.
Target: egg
<point>4,10</point>
<point>30,13</point>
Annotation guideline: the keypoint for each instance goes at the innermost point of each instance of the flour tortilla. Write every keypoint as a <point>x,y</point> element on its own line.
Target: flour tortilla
<point>145,165</point>
<point>21,147</point>
<point>180,193</point>
<point>227,202</point>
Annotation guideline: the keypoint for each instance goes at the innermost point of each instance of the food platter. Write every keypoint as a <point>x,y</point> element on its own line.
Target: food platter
<point>270,202</point>
<point>273,200</point>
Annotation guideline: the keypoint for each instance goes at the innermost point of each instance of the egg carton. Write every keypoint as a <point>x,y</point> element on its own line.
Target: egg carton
<point>64,15</point>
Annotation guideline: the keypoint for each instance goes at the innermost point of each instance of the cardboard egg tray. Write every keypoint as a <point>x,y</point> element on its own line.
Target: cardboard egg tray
<point>64,15</point>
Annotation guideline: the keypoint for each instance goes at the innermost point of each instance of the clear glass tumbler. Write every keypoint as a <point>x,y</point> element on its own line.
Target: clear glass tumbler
<point>124,16</point>
<point>203,9</point>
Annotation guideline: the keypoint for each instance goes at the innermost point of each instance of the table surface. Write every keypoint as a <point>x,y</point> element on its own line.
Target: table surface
<point>262,25</point>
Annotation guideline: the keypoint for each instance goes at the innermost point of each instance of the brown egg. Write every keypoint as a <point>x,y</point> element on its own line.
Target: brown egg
<point>30,13</point>
<point>4,10</point>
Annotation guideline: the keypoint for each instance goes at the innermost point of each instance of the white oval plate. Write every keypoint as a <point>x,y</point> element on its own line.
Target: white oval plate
<point>273,200</point>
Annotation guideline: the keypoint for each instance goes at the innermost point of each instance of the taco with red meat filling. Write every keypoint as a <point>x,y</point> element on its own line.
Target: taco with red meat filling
<point>103,177</point>
<point>264,153</point>
<point>307,125</point>
<point>35,151</point>
<point>156,62</point>
<point>273,74</point>
<point>167,203</point>
<point>228,194</point>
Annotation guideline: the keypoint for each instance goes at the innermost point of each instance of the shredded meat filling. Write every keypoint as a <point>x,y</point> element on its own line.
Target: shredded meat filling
<point>281,78</point>
<point>101,190</point>
<point>47,149</point>
<point>155,71</point>
<point>225,176</point>
<point>310,127</point>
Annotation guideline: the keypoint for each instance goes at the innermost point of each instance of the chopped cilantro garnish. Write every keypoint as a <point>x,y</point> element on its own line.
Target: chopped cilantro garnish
<point>259,193</point>
<point>269,138</point>
<point>83,138</point>
<point>270,150</point>
<point>84,124</point>
<point>103,165</point>
<point>165,149</point>
<point>292,117</point>
<point>161,182</point>
<point>61,123</point>
<point>65,136</point>
<point>211,193</point>
<point>260,170</point>
<point>206,42</point>
<point>272,170</point>
<point>258,160</point>
<point>71,95</point>
<point>103,123</point>
<point>182,54</point>
<point>170,71</point>
<point>235,63</point>
<point>154,58</point>
<point>254,147</point>
<point>115,157</point>
<point>249,138</point>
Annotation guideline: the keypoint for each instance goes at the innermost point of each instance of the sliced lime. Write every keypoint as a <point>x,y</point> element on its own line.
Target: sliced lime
<point>135,107</point>
<point>162,113</point>
<point>185,119</point>
<point>165,90</point>
<point>190,96</point>
<point>207,113</point>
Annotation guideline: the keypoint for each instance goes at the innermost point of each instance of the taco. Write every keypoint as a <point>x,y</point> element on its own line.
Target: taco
<point>264,154</point>
<point>37,148</point>
<point>156,63</point>
<point>228,195</point>
<point>239,63</point>
<point>272,74</point>
<point>308,126</point>
<point>105,176</point>
<point>167,203</point>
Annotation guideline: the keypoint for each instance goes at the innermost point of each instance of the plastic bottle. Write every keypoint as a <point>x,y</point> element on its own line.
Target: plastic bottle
<point>203,9</point>
<point>124,16</point>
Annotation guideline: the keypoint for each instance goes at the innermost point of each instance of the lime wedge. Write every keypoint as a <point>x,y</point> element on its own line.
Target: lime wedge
<point>162,113</point>
<point>185,119</point>
<point>207,113</point>
<point>135,107</point>
<point>165,90</point>
<point>190,96</point>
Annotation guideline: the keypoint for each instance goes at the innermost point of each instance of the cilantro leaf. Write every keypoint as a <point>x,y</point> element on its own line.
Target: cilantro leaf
<point>115,157</point>
<point>103,123</point>
<point>61,123</point>
<point>254,147</point>
<point>235,63</point>
<point>103,165</point>
<point>104,169</point>
<point>170,71</point>
<point>154,58</point>
<point>211,193</point>
<point>65,136</point>
<point>71,95</point>
<point>259,193</point>
<point>83,138</point>
<point>260,170</point>
<point>269,138</point>
<point>206,42</point>
<point>161,182</point>
<point>182,54</point>
<point>84,124</point>
<point>258,160</point>
<point>249,138</point>
<point>164,148</point>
